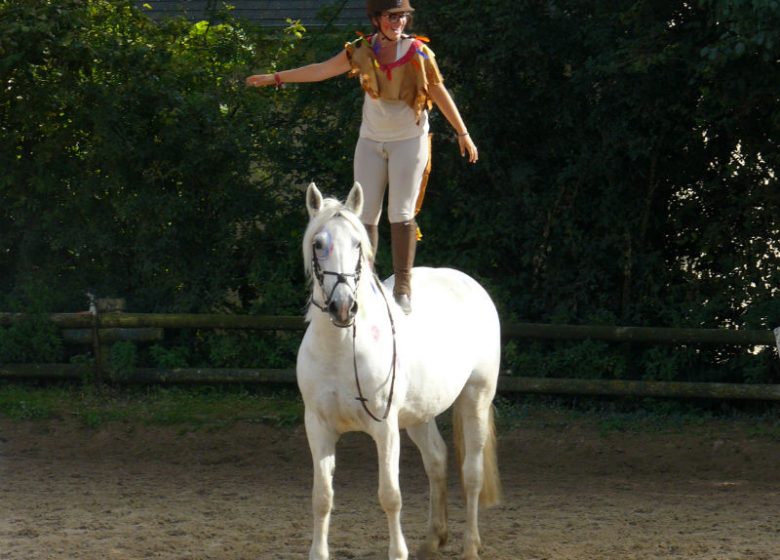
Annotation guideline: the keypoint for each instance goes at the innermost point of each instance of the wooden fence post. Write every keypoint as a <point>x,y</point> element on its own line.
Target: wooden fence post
<point>101,339</point>
<point>103,350</point>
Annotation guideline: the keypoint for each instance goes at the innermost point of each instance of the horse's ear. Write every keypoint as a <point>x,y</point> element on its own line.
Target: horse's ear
<point>355,199</point>
<point>313,199</point>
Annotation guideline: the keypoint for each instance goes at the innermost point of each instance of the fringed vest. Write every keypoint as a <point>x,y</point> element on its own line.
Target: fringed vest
<point>407,79</point>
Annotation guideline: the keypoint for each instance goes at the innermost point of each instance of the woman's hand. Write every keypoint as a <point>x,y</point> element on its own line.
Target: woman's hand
<point>444,102</point>
<point>466,145</point>
<point>261,80</point>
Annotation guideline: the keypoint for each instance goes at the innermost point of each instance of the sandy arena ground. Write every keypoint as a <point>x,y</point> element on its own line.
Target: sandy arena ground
<point>709,492</point>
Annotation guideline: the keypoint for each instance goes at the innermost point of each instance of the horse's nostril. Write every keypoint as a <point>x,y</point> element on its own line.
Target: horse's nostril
<point>333,308</point>
<point>353,310</point>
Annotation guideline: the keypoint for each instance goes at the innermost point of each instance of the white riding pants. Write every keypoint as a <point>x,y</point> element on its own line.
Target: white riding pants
<point>398,164</point>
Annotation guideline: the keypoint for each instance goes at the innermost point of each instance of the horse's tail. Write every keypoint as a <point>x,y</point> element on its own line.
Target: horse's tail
<point>490,494</point>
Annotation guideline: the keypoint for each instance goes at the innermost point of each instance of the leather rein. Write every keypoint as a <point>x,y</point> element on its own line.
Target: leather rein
<point>342,278</point>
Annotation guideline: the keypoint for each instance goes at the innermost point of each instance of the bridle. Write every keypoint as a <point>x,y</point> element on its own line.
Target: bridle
<point>343,278</point>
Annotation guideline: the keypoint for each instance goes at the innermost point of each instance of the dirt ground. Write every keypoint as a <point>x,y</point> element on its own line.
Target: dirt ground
<point>570,492</point>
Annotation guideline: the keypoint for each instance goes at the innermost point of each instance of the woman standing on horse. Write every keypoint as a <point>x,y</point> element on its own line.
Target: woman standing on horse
<point>402,82</point>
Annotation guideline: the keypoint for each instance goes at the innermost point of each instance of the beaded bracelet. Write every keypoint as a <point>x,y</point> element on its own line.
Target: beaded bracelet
<point>464,134</point>
<point>278,80</point>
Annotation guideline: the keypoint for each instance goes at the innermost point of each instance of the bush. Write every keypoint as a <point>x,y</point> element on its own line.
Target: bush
<point>628,165</point>
<point>34,339</point>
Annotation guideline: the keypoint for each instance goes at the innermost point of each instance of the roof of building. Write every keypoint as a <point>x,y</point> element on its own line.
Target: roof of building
<point>270,13</point>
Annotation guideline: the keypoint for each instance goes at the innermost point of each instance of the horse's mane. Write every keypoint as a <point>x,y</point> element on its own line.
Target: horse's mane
<point>333,208</point>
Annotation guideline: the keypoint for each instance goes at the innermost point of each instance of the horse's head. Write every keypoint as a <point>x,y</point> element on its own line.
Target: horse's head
<point>336,250</point>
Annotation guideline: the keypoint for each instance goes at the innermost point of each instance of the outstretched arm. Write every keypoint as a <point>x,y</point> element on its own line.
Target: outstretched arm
<point>317,72</point>
<point>444,102</point>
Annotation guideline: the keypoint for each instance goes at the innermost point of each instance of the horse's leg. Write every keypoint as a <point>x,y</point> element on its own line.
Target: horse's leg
<point>472,418</point>
<point>322,442</point>
<point>434,455</point>
<point>388,446</point>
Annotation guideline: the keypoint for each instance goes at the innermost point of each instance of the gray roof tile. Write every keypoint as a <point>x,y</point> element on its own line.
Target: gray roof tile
<point>270,13</point>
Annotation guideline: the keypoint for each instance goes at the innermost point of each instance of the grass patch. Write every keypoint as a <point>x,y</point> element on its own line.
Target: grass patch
<point>614,415</point>
<point>20,403</point>
<point>192,407</point>
<point>215,407</point>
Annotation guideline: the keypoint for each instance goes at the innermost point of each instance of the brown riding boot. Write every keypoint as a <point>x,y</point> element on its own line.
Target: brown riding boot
<point>403,238</point>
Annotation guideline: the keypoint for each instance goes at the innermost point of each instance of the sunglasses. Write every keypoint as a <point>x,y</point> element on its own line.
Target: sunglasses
<point>395,17</point>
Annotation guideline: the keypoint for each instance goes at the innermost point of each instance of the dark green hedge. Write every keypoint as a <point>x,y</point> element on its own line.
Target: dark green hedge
<point>626,176</point>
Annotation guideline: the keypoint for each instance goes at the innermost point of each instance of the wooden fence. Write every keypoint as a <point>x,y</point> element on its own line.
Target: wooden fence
<point>103,328</point>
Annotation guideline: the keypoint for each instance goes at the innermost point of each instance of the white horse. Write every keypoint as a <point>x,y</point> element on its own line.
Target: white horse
<point>365,366</point>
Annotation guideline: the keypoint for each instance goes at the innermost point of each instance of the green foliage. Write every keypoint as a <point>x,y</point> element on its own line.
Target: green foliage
<point>237,349</point>
<point>122,360</point>
<point>174,357</point>
<point>223,349</point>
<point>627,174</point>
<point>583,360</point>
<point>127,149</point>
<point>34,339</point>
<point>665,363</point>
<point>613,182</point>
<point>628,158</point>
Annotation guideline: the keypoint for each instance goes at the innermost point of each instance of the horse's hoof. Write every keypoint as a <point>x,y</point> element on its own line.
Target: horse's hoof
<point>472,554</point>
<point>430,549</point>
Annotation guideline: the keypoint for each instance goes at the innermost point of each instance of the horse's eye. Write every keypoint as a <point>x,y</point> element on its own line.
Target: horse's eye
<point>322,244</point>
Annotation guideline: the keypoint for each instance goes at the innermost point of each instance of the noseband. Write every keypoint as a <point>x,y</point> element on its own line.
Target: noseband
<point>341,278</point>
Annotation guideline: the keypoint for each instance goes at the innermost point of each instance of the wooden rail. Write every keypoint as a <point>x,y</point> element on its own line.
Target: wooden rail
<point>166,320</point>
<point>509,330</point>
<point>148,327</point>
<point>506,384</point>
